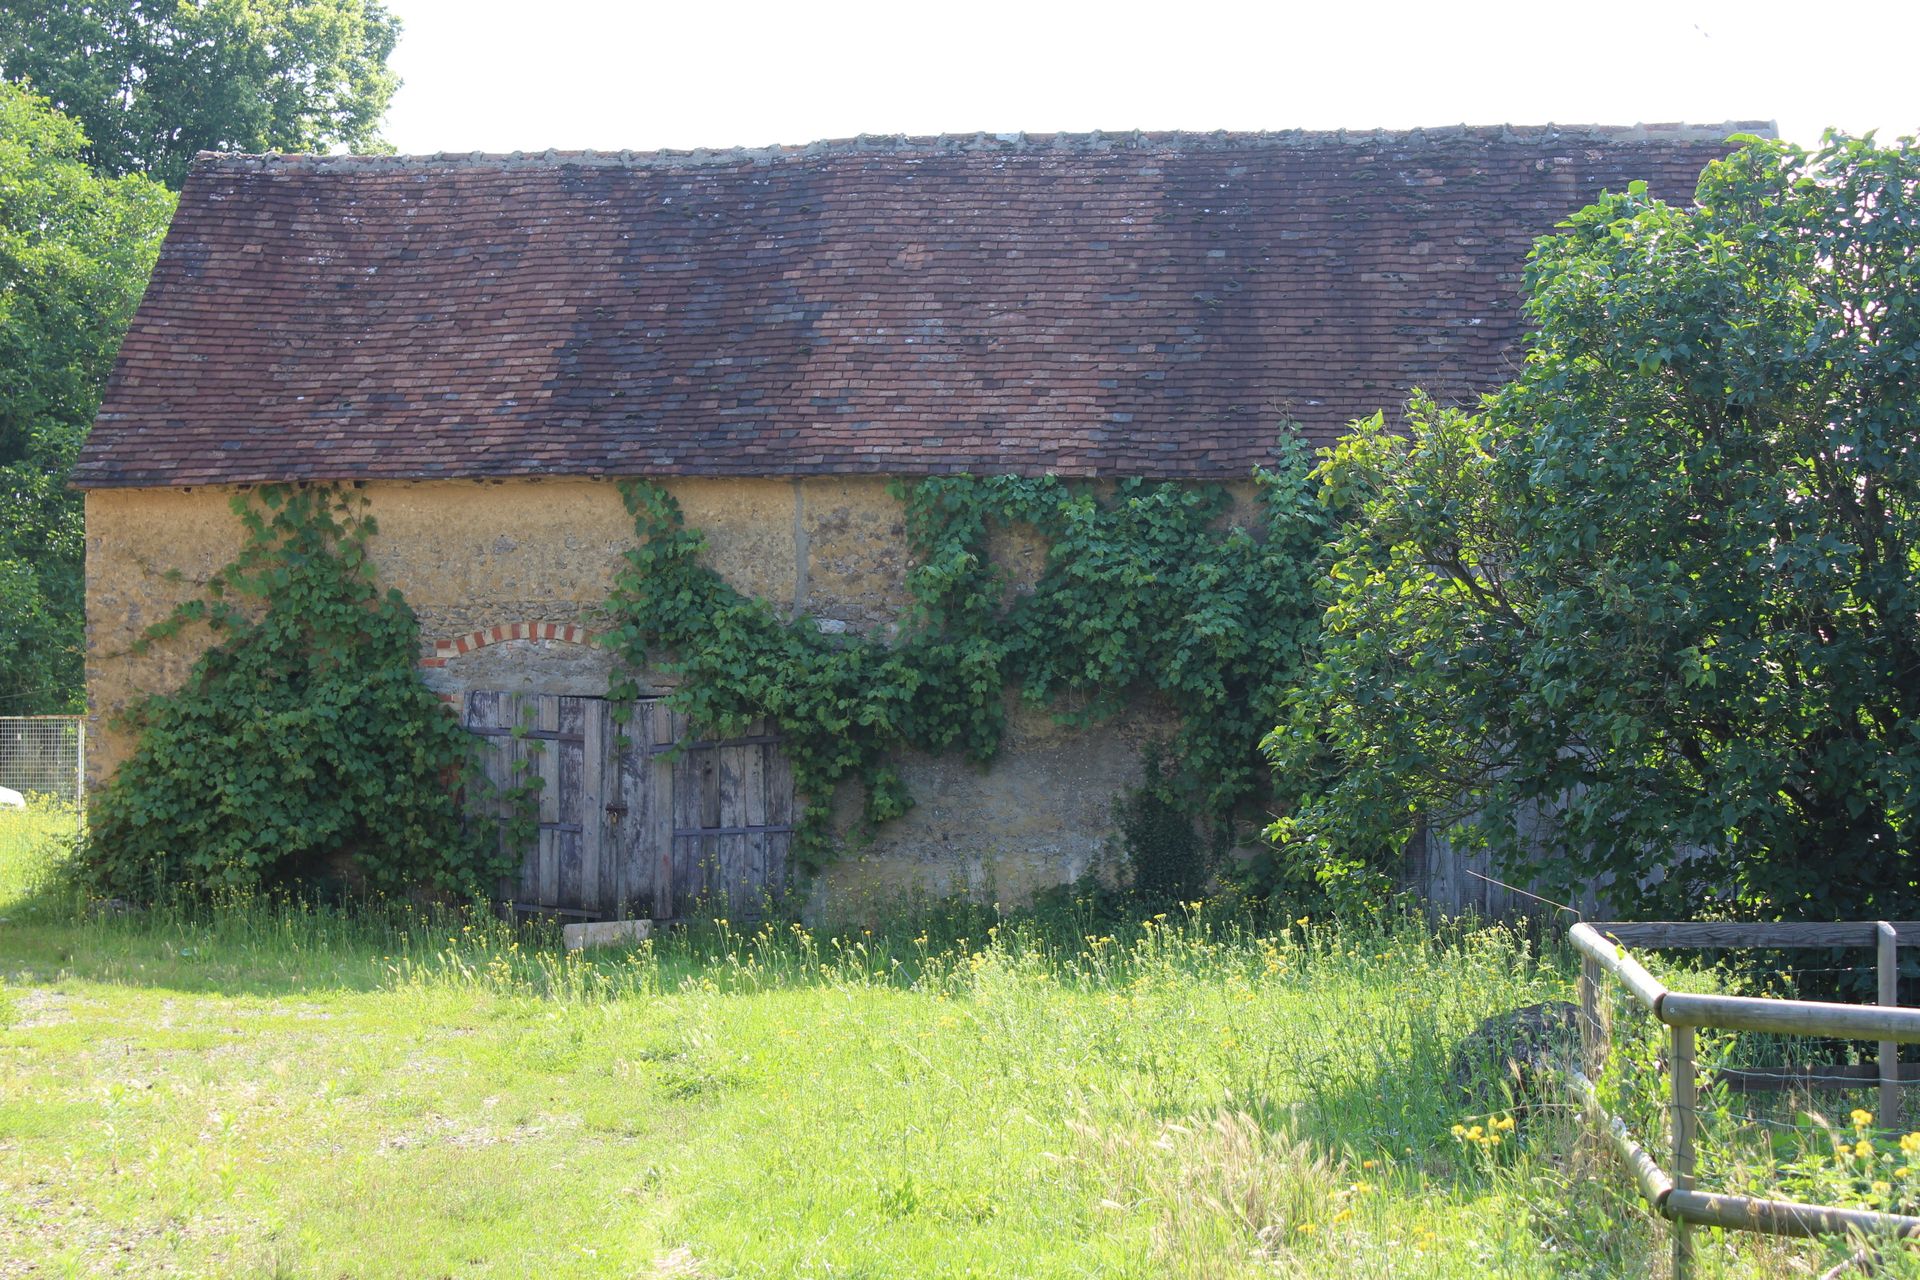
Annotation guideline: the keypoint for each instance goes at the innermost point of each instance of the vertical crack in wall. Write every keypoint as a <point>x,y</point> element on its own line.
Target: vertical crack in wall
<point>799,547</point>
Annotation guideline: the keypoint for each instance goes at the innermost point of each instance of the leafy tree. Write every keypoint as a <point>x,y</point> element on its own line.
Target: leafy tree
<point>154,81</point>
<point>75,251</point>
<point>1659,593</point>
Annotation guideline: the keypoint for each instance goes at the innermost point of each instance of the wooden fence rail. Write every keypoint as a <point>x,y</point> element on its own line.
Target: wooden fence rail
<point>1672,1193</point>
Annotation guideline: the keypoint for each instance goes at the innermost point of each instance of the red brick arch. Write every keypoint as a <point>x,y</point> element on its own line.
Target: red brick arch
<point>564,632</point>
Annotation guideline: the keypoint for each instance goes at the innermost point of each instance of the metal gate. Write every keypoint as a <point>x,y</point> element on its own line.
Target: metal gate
<point>640,819</point>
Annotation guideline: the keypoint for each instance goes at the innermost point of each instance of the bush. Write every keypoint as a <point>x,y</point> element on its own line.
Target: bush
<point>1658,591</point>
<point>1165,855</point>
<point>303,746</point>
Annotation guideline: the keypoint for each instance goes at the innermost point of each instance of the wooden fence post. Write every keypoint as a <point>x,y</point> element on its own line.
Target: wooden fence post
<point>1888,946</point>
<point>1681,1065</point>
<point>1593,1048</point>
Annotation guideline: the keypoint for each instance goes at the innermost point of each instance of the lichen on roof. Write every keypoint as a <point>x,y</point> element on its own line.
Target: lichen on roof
<point>1081,304</point>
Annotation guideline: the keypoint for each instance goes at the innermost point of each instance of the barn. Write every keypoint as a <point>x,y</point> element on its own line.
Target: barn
<point>485,344</point>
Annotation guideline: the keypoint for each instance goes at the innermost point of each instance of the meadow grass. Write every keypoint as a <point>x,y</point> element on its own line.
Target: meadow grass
<point>268,1090</point>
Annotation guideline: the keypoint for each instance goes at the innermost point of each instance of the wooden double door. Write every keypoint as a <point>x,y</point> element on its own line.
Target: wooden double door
<point>639,815</point>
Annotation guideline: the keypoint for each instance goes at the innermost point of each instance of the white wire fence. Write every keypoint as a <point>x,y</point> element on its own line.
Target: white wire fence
<point>43,787</point>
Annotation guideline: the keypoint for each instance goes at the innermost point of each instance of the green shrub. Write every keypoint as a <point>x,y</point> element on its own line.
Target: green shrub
<point>303,747</point>
<point>1658,592</point>
<point>1165,855</point>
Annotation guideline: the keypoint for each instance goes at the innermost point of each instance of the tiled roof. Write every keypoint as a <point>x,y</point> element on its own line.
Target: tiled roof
<point>1155,304</point>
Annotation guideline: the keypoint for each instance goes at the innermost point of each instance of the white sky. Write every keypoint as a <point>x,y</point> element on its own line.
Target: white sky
<point>506,75</point>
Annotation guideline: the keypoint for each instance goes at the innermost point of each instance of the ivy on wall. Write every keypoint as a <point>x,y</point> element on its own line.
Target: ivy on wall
<point>1147,586</point>
<point>303,746</point>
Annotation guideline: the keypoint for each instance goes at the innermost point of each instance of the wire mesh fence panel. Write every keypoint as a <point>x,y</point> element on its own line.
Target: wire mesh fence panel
<point>42,755</point>
<point>42,787</point>
<point>1740,1087</point>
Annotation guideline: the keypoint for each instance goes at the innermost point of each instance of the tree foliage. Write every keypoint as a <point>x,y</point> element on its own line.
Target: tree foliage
<point>75,251</point>
<point>1660,591</point>
<point>154,81</point>
<point>303,745</point>
<point>1151,588</point>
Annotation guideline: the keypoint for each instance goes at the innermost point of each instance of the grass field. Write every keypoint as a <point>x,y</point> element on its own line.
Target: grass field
<point>260,1092</point>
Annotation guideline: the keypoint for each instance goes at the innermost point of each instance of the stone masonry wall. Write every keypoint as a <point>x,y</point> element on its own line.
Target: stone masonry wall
<point>509,579</point>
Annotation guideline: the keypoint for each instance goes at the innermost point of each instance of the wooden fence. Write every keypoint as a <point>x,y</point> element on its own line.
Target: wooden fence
<point>1673,1193</point>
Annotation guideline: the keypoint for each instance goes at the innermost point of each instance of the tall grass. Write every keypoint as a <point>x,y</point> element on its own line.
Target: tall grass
<point>388,1090</point>
<point>33,841</point>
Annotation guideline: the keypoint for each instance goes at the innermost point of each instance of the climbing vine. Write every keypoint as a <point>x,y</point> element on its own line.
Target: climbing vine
<point>1147,586</point>
<point>303,746</point>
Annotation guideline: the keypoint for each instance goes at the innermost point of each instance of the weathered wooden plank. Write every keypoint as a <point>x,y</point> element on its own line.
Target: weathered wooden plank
<point>548,861</point>
<point>480,715</point>
<point>753,799</point>
<point>606,933</point>
<point>570,786</point>
<point>734,893</point>
<point>730,851</point>
<point>476,715</point>
<point>613,753</point>
<point>595,722</point>
<point>1685,1118</point>
<point>782,811</point>
<point>1612,957</point>
<point>1887,965</point>
<point>688,795</point>
<point>1790,1017</point>
<point>547,708</point>
<point>778,854</point>
<point>483,710</point>
<point>511,712</point>
<point>713,892</point>
<point>616,742</point>
<point>660,817</point>
<point>542,711</point>
<point>571,890</point>
<point>707,744</point>
<point>710,800</point>
<point>537,735</point>
<point>1681,934</point>
<point>625,872</point>
<point>713,885</point>
<point>1654,1183</point>
<point>1785,1217</point>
